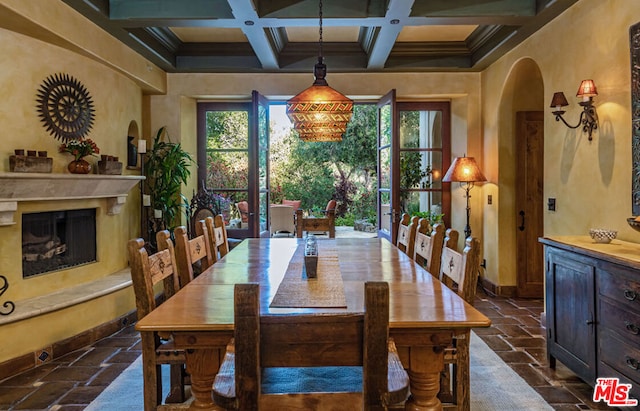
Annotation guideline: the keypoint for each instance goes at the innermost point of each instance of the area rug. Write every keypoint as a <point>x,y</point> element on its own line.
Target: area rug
<point>494,386</point>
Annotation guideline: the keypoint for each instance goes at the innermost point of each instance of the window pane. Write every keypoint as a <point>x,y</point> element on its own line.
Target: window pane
<point>420,169</point>
<point>423,201</point>
<point>420,129</point>
<point>385,168</point>
<point>227,130</point>
<point>385,125</point>
<point>227,170</point>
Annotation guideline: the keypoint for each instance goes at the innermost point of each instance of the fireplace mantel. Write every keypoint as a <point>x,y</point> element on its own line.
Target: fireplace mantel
<point>19,187</point>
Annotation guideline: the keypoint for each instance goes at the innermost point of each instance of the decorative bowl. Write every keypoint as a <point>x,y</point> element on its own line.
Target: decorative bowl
<point>602,235</point>
<point>635,224</point>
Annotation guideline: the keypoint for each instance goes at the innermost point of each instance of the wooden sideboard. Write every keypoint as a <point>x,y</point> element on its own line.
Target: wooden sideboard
<point>593,308</point>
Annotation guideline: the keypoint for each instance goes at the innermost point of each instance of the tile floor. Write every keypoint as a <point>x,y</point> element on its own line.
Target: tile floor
<point>73,381</point>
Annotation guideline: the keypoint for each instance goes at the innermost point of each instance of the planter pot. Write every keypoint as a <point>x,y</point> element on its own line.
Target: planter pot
<point>79,167</point>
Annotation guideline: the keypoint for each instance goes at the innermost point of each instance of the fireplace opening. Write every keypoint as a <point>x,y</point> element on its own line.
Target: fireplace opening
<point>56,240</point>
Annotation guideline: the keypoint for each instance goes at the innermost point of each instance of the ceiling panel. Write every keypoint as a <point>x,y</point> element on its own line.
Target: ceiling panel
<point>358,35</point>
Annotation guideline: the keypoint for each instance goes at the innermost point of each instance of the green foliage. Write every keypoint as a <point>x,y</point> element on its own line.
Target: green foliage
<point>433,218</point>
<point>166,169</point>
<point>316,172</point>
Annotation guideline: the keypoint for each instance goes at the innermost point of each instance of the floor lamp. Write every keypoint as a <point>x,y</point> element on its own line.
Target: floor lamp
<point>465,170</point>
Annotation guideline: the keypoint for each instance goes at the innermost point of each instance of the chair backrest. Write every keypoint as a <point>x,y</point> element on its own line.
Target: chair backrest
<point>459,271</point>
<point>293,203</point>
<point>407,233</point>
<point>219,230</point>
<point>428,246</point>
<point>190,252</point>
<point>149,270</point>
<point>451,238</point>
<point>340,339</point>
<point>282,218</point>
<point>331,205</point>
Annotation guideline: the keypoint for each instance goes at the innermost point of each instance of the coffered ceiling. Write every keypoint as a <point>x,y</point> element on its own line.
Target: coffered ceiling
<point>358,35</point>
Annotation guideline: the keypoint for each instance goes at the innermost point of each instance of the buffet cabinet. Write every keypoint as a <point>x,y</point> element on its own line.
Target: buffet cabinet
<point>592,294</point>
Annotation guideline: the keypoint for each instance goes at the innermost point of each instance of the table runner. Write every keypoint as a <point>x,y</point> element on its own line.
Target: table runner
<point>325,291</point>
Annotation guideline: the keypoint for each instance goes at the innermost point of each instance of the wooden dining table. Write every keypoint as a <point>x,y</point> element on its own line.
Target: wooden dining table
<point>424,314</point>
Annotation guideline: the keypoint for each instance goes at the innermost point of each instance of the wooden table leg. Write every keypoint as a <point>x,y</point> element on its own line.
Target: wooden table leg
<point>202,366</point>
<point>425,364</point>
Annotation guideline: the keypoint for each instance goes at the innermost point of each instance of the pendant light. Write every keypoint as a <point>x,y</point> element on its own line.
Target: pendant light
<point>320,113</point>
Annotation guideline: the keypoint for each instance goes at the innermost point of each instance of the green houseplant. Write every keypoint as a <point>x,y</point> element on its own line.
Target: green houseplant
<point>166,169</point>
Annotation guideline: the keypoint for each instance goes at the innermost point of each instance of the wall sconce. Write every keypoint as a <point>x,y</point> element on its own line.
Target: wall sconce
<point>589,116</point>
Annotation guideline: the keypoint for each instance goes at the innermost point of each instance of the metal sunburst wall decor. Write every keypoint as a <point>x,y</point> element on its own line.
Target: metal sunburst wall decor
<point>65,107</point>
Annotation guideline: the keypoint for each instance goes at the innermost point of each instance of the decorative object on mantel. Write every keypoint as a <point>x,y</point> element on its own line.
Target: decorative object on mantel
<point>311,257</point>
<point>31,163</point>
<point>79,149</point>
<point>602,235</point>
<point>109,165</point>
<point>65,107</point>
<point>634,42</point>
<point>7,304</point>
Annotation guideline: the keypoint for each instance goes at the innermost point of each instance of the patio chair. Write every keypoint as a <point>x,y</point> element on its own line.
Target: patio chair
<point>282,220</point>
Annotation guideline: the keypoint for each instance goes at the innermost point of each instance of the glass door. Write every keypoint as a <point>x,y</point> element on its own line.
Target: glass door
<point>388,195</point>
<point>223,162</point>
<point>259,140</point>
<point>424,157</point>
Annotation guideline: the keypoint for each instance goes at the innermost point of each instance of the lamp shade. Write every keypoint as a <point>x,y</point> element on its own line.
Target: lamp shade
<point>587,89</point>
<point>559,100</point>
<point>464,170</point>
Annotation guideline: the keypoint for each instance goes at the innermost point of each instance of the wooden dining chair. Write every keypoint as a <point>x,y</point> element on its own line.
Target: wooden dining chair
<point>192,255</point>
<point>428,246</point>
<point>459,271</point>
<point>407,234</point>
<point>349,339</point>
<point>216,226</point>
<point>146,272</point>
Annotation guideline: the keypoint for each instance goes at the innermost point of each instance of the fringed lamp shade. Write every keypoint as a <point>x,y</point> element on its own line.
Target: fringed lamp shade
<point>320,113</point>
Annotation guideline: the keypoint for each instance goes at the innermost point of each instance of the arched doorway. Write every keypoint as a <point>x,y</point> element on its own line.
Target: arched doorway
<point>521,173</point>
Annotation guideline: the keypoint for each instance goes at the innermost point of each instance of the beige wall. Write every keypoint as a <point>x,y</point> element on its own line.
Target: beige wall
<point>590,180</point>
<point>39,39</point>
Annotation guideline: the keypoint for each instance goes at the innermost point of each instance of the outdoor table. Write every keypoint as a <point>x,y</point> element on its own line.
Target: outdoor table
<point>424,314</point>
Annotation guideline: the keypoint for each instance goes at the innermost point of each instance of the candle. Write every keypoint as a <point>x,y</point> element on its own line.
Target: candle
<point>146,200</point>
<point>142,146</point>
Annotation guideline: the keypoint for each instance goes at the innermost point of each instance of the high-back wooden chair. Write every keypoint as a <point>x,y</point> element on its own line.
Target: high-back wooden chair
<point>428,246</point>
<point>459,271</point>
<point>407,234</point>
<point>350,339</point>
<point>147,271</point>
<point>196,252</point>
<point>217,227</point>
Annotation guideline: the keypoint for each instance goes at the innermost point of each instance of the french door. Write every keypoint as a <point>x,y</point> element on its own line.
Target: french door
<point>414,152</point>
<point>233,162</point>
<point>388,172</point>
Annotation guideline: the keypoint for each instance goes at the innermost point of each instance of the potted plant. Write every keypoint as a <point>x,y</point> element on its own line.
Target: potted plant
<point>166,169</point>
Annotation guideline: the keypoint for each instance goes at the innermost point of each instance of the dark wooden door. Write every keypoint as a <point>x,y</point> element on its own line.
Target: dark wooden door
<point>529,203</point>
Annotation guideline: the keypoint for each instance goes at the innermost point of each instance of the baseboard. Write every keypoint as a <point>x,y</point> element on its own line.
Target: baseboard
<point>488,287</point>
<point>32,360</point>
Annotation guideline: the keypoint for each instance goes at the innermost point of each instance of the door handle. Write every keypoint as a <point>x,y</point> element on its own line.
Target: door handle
<point>521,228</point>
